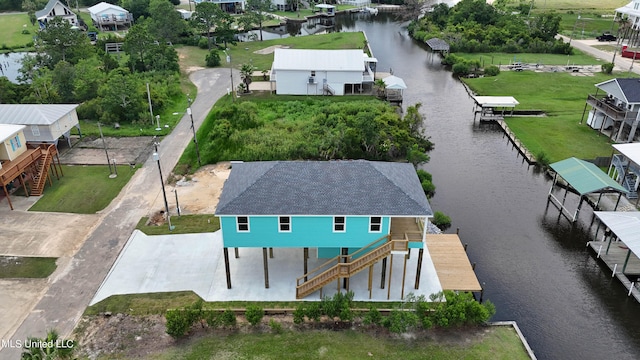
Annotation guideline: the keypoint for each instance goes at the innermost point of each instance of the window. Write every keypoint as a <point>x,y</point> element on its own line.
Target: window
<point>339,224</point>
<point>243,223</point>
<point>313,73</point>
<point>35,130</point>
<point>13,145</point>
<point>17,138</point>
<point>284,224</point>
<point>375,224</point>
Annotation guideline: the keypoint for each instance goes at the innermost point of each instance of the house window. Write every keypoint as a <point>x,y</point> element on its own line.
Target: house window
<point>17,138</point>
<point>35,130</point>
<point>284,224</point>
<point>243,223</point>
<point>375,224</point>
<point>313,73</point>
<point>339,224</point>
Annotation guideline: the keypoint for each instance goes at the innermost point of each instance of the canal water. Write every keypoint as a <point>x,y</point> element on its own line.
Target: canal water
<point>533,265</point>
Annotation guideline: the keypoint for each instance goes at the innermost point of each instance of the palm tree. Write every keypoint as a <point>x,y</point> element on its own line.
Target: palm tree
<point>245,74</point>
<point>379,85</point>
<point>49,348</point>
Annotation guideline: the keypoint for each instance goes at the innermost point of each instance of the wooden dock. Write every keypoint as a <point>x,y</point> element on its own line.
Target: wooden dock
<point>615,259</point>
<point>518,145</point>
<point>452,263</point>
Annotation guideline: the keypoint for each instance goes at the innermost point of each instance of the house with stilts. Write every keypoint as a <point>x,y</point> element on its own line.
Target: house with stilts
<point>22,162</point>
<point>46,123</point>
<point>353,214</point>
<point>625,167</point>
<point>615,108</point>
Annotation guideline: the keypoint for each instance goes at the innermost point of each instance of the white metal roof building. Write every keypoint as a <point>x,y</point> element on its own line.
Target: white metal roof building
<point>320,72</point>
<point>46,122</point>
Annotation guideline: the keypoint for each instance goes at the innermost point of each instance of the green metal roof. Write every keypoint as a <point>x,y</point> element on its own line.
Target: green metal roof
<point>585,177</point>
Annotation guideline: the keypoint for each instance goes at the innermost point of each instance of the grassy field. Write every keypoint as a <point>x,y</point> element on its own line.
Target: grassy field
<point>575,5</point>
<point>11,26</point>
<point>562,97</point>
<point>244,53</point>
<point>14,267</point>
<point>495,343</point>
<point>544,59</point>
<point>185,224</point>
<point>588,26</point>
<point>83,189</point>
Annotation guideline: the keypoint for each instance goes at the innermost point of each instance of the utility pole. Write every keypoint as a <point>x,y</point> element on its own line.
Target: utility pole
<point>193,128</point>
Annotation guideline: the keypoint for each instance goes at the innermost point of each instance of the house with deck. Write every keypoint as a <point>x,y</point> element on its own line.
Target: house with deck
<point>615,108</point>
<point>230,6</point>
<point>107,16</point>
<point>322,72</point>
<point>46,123</point>
<point>632,12</point>
<point>353,214</point>
<point>56,8</point>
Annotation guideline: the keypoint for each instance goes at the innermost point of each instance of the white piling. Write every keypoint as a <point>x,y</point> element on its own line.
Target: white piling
<point>614,270</point>
<point>599,250</point>
<point>631,288</point>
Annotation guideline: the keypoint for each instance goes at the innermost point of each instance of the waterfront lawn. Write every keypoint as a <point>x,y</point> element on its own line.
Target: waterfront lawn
<point>562,97</point>
<point>11,26</point>
<point>17,267</point>
<point>83,189</point>
<point>185,224</point>
<point>496,342</point>
<point>579,58</point>
<point>244,52</point>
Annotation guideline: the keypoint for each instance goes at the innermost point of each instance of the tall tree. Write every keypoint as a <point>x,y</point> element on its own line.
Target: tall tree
<point>205,17</point>
<point>256,14</point>
<point>137,8</point>
<point>166,23</point>
<point>88,78</point>
<point>62,79</point>
<point>122,97</point>
<point>137,44</point>
<point>60,42</point>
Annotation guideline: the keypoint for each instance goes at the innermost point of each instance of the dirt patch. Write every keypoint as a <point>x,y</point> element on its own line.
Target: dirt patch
<point>199,193</point>
<point>125,150</point>
<point>270,49</point>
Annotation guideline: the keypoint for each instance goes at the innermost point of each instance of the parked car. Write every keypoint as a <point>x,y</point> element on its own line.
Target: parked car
<point>607,37</point>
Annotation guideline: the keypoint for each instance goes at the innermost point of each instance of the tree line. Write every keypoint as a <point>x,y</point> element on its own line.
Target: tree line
<point>474,26</point>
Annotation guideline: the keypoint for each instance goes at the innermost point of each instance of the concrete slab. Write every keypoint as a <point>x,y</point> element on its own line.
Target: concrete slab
<point>17,298</point>
<point>194,262</point>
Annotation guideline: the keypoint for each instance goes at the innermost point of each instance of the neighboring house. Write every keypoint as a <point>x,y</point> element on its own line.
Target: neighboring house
<point>185,14</point>
<point>110,17</point>
<point>46,123</point>
<point>625,167</point>
<point>336,207</point>
<point>230,6</point>
<point>321,72</point>
<point>13,142</point>
<point>56,8</point>
<point>632,12</point>
<point>616,108</point>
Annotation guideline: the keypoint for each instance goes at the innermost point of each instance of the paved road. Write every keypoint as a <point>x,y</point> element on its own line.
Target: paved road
<point>66,299</point>
<point>621,64</point>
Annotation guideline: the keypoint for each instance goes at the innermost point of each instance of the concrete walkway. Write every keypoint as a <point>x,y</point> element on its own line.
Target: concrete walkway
<point>66,299</point>
<point>586,46</point>
<point>151,264</point>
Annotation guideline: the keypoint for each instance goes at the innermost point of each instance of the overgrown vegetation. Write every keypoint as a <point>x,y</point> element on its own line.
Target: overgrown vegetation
<point>475,26</point>
<point>442,221</point>
<point>310,129</point>
<point>184,224</point>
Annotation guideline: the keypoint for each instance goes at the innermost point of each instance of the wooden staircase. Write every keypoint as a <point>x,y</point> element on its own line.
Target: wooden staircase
<point>40,178</point>
<point>345,266</point>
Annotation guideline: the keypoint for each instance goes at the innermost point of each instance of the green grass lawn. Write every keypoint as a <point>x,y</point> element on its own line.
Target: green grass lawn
<point>243,53</point>
<point>11,26</point>
<point>185,224</point>
<point>83,189</point>
<point>562,97</point>
<point>576,5</point>
<point>495,343</point>
<point>589,25</point>
<point>15,267</point>
<point>544,59</point>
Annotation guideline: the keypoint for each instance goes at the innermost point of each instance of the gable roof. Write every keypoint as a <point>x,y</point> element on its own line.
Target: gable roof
<point>47,9</point>
<point>625,225</point>
<point>351,187</point>
<point>628,88</point>
<point>318,60</point>
<point>100,7</point>
<point>33,114</point>
<point>585,177</point>
<point>7,131</point>
<point>394,82</point>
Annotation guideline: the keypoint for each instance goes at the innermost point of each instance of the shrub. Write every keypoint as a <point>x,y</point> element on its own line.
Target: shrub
<point>372,317</point>
<point>428,188</point>
<point>607,68</point>
<point>460,69</point>
<point>423,175</point>
<point>542,159</point>
<point>275,326</point>
<point>90,110</point>
<point>254,314</point>
<point>442,221</point>
<point>491,70</point>
<point>338,306</point>
<point>228,318</point>
<point>461,309</point>
<point>212,318</point>
<point>203,43</point>
<point>25,32</point>
<point>399,321</point>
<point>298,314</point>
<point>178,323</point>
<point>213,58</point>
<point>313,311</point>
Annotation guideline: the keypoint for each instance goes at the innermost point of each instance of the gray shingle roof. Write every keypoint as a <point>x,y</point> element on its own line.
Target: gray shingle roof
<point>352,187</point>
<point>33,114</point>
<point>630,88</point>
<point>47,9</point>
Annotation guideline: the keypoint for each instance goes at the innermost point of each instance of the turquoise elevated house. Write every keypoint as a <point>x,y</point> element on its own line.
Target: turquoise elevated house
<point>354,213</point>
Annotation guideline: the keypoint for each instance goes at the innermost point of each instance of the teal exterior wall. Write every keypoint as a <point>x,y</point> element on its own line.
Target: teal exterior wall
<point>306,231</point>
